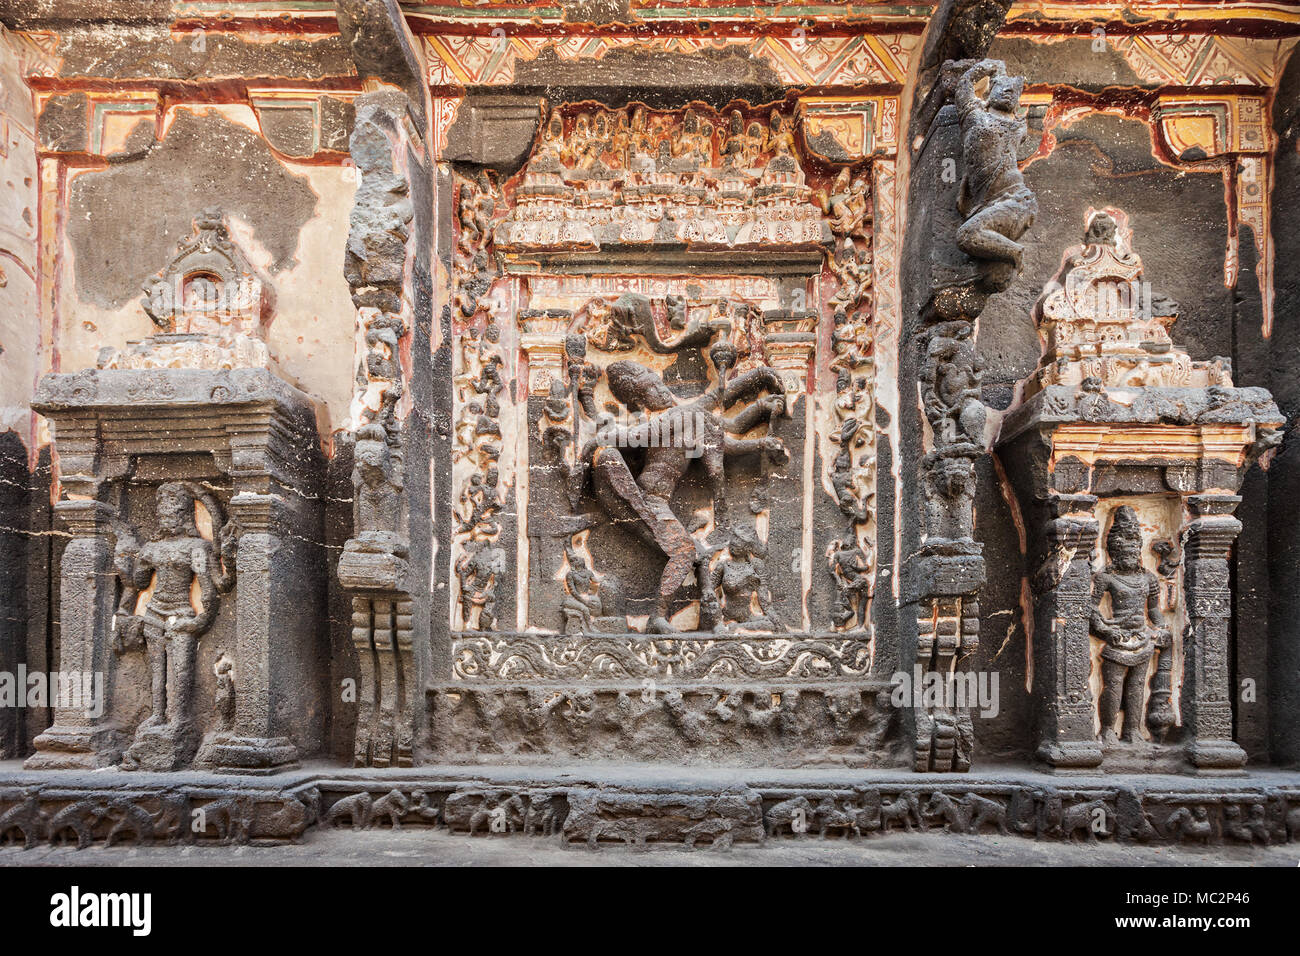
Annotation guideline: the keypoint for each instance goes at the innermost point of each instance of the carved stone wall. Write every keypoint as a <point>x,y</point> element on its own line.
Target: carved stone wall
<point>413,383</point>
<point>1127,455</point>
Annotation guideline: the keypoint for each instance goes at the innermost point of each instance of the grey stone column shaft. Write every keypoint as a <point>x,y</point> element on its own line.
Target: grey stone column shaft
<point>88,591</point>
<point>1206,692</point>
<point>261,593</point>
<point>1062,624</point>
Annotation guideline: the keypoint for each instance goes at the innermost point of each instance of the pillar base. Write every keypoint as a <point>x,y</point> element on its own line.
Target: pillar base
<point>1216,755</point>
<point>160,749</point>
<point>1071,754</point>
<point>229,753</point>
<point>75,748</point>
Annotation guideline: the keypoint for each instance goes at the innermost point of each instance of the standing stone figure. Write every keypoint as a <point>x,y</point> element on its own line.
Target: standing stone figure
<point>224,669</point>
<point>1131,637</point>
<point>997,205</point>
<point>478,569</point>
<point>376,479</point>
<point>851,566</point>
<point>171,626</point>
<point>582,602</point>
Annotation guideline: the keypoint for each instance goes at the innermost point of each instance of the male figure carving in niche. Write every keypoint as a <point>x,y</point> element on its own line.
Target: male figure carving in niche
<point>1131,637</point>
<point>170,626</point>
<point>642,500</point>
<point>992,196</point>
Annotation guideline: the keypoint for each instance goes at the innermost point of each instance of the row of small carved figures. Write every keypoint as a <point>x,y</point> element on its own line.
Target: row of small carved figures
<point>173,816</point>
<point>600,815</point>
<point>603,815</point>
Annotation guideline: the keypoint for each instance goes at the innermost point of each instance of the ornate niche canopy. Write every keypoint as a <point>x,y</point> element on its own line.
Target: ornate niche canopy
<point>633,177</point>
<point>209,304</point>
<point>1127,454</point>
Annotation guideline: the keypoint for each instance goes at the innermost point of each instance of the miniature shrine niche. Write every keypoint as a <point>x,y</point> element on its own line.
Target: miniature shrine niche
<point>1128,454</point>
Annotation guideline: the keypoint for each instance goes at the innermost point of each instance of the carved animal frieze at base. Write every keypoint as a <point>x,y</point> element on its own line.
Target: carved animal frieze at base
<point>60,816</point>
<point>700,815</point>
<point>716,820</point>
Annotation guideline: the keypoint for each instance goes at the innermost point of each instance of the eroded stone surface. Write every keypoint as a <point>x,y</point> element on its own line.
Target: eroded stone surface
<point>625,384</point>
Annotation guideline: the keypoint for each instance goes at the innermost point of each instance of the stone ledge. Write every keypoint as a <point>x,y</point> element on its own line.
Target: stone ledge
<point>643,803</point>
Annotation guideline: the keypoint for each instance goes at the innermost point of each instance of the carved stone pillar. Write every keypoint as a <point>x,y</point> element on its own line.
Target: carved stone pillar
<point>265,598</point>
<point>83,737</point>
<point>381,634</point>
<point>1063,602</point>
<point>1207,692</point>
<point>388,296</point>
<point>962,247</point>
<point>791,339</point>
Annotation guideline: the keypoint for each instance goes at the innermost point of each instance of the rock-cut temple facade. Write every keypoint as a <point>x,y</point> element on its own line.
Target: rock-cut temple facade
<point>553,419</point>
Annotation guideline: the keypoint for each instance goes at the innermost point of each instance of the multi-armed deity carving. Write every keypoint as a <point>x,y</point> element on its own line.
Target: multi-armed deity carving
<point>659,470</point>
<point>620,180</point>
<point>673,434</point>
<point>169,569</point>
<point>209,304</point>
